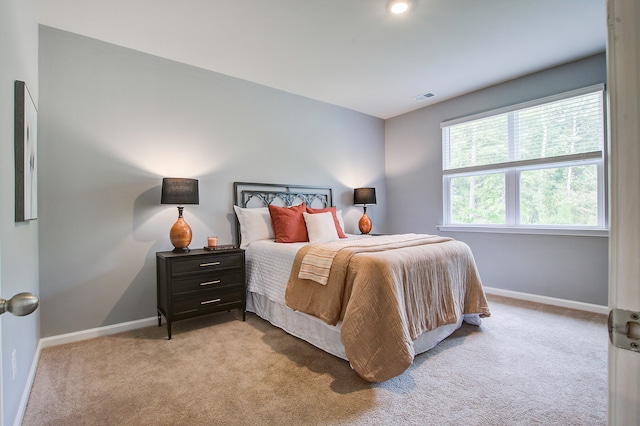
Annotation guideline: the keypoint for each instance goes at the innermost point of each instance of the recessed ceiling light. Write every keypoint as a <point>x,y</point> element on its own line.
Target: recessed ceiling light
<point>399,6</point>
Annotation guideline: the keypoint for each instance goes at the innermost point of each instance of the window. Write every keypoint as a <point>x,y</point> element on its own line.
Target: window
<point>533,165</point>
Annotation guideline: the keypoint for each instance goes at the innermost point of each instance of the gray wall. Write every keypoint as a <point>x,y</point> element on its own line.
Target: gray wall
<point>114,121</point>
<point>567,267</point>
<point>18,241</point>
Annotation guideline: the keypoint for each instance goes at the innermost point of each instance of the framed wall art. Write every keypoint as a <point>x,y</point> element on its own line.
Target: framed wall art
<point>26,150</point>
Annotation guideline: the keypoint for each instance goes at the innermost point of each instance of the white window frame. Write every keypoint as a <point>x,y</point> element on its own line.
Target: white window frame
<point>512,172</point>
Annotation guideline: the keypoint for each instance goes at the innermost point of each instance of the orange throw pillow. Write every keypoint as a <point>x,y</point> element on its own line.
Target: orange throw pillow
<point>341,233</point>
<point>288,223</point>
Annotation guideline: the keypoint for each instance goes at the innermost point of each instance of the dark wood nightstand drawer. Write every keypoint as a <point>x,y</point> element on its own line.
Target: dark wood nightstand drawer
<point>199,282</point>
<point>207,281</point>
<point>207,302</point>
<point>189,265</point>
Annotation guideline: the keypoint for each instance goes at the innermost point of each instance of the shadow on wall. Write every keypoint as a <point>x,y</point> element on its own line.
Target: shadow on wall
<point>137,299</point>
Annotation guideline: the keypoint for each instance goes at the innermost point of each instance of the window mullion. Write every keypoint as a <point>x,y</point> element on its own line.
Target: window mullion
<point>511,185</point>
<point>512,197</point>
<point>602,204</point>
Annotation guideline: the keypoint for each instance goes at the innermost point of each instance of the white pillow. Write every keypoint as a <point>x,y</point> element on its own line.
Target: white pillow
<point>320,227</point>
<point>255,224</point>
<point>340,219</point>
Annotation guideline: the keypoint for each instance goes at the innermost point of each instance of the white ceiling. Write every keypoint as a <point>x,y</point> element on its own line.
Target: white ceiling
<point>350,53</point>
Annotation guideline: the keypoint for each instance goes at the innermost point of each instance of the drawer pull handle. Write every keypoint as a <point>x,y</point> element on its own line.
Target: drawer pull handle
<point>210,264</point>
<point>206,302</point>
<point>211,282</point>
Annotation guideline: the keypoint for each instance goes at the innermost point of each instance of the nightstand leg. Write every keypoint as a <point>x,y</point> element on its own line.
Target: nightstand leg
<point>169,328</point>
<point>159,320</point>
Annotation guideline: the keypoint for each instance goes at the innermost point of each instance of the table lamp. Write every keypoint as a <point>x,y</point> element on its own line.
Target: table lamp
<point>364,196</point>
<point>180,191</point>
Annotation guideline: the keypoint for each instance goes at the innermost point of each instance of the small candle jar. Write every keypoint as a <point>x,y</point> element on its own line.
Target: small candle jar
<point>212,241</point>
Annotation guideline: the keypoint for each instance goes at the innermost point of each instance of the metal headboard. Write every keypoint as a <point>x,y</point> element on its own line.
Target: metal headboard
<point>255,194</point>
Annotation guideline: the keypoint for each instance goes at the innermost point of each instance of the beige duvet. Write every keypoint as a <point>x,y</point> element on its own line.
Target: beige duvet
<point>388,294</point>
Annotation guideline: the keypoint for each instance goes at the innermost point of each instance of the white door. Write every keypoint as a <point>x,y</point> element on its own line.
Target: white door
<point>623,75</point>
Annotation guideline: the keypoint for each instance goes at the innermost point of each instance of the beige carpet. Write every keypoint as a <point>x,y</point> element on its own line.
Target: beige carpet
<point>527,364</point>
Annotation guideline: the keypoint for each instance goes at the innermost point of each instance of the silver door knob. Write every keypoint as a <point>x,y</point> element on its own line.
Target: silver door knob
<point>21,304</point>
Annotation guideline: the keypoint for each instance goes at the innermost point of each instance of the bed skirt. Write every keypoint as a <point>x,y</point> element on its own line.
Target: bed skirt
<point>327,337</point>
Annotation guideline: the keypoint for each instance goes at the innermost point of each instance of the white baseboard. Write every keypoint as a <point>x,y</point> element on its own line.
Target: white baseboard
<point>146,322</point>
<point>28,385</point>
<point>571,304</point>
<point>97,332</point>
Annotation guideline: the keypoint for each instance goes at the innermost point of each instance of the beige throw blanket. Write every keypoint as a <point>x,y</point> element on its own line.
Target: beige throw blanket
<point>386,296</point>
<point>317,262</point>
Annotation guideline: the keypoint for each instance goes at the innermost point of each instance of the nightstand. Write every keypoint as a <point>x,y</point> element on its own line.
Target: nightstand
<point>199,282</point>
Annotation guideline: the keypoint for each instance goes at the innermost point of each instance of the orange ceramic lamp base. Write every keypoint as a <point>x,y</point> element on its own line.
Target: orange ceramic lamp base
<point>180,235</point>
<point>365,224</point>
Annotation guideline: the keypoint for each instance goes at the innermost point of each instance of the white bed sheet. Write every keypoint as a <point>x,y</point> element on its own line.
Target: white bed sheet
<point>269,265</point>
<point>268,268</point>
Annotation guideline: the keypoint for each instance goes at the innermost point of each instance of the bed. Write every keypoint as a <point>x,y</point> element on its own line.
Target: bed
<point>375,301</point>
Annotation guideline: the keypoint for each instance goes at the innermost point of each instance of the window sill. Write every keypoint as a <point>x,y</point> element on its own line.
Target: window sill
<point>583,232</point>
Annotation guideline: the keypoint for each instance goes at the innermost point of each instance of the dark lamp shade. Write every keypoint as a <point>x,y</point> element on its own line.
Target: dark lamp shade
<point>364,196</point>
<point>179,191</point>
